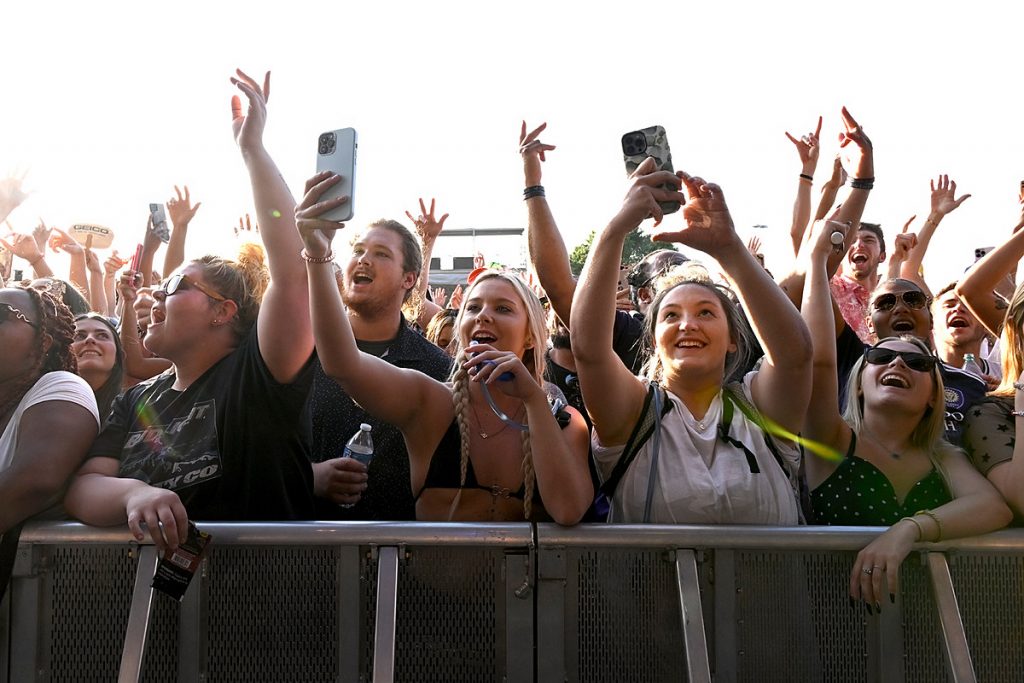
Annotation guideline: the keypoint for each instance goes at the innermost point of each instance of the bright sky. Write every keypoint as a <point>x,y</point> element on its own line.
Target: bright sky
<point>110,106</point>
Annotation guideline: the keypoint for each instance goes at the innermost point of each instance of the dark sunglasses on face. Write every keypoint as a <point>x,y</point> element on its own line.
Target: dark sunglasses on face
<point>7,312</point>
<point>918,362</point>
<point>911,299</point>
<point>173,284</point>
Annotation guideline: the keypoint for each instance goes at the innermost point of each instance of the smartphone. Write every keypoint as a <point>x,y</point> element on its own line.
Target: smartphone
<point>980,252</point>
<point>336,152</point>
<point>637,145</point>
<point>136,259</point>
<point>160,229</point>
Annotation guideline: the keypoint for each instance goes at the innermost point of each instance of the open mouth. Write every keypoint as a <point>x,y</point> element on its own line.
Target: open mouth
<point>894,380</point>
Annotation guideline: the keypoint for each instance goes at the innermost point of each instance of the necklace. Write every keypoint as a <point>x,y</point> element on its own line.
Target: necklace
<point>480,425</point>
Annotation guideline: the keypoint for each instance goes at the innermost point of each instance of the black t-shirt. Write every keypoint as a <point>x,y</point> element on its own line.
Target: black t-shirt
<point>335,417</point>
<point>231,445</point>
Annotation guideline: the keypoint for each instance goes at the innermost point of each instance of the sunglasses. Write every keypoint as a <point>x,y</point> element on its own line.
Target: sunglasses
<point>912,299</point>
<point>7,312</point>
<point>172,285</point>
<point>918,362</point>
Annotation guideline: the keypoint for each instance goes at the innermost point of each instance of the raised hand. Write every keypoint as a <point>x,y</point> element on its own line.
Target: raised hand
<point>944,195</point>
<point>709,225</point>
<point>180,209</point>
<point>807,147</point>
<point>439,295</point>
<point>248,128</point>
<point>532,150</point>
<point>855,149</point>
<point>316,232</point>
<point>427,227</point>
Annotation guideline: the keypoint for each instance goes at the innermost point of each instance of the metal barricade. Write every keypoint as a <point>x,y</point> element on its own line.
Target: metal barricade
<point>515,602</point>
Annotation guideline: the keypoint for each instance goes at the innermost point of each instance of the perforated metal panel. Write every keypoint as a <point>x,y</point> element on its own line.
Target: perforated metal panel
<point>451,615</point>
<point>628,624</point>
<point>922,632</point>
<point>990,593</point>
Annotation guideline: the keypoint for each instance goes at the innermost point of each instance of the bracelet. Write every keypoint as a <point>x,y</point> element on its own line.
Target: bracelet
<point>920,529</point>
<point>863,183</point>
<point>935,518</point>
<point>326,258</point>
<point>533,191</point>
<point>808,178</point>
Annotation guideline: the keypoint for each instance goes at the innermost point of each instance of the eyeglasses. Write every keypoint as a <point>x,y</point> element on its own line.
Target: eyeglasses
<point>8,312</point>
<point>173,284</point>
<point>911,299</point>
<point>918,362</point>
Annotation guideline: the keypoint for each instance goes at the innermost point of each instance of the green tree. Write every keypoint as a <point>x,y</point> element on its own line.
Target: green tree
<point>637,246</point>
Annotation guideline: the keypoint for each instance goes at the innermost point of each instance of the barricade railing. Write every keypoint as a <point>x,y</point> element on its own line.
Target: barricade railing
<point>509,602</point>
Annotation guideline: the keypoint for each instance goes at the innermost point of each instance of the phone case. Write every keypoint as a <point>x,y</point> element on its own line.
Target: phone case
<point>637,145</point>
<point>336,151</point>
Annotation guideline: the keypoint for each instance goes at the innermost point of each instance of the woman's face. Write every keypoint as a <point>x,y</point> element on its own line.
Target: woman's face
<point>692,331</point>
<point>94,348</point>
<point>494,314</point>
<point>17,337</point>
<point>895,384</point>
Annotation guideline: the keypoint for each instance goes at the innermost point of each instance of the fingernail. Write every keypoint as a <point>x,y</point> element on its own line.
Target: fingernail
<point>892,598</point>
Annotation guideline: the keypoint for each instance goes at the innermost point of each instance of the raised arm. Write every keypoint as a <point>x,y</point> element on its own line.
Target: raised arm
<point>428,228</point>
<point>977,286</point>
<point>807,148</point>
<point>614,397</point>
<point>283,326</point>
<point>782,387</point>
<point>548,254</point>
<point>410,395</point>
<point>181,212</point>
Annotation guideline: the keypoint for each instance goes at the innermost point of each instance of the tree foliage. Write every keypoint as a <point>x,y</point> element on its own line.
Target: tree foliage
<point>637,246</point>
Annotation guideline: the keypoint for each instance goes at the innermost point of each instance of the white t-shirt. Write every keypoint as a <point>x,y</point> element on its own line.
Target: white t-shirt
<point>700,478</point>
<point>53,386</point>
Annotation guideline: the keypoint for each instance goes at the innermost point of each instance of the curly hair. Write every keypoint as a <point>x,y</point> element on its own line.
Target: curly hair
<point>51,350</point>
<point>244,281</point>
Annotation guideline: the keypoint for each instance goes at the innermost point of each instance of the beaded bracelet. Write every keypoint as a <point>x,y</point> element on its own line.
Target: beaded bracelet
<point>935,518</point>
<point>326,258</point>
<point>920,529</point>
<point>533,191</point>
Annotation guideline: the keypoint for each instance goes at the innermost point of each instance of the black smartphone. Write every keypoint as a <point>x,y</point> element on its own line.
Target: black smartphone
<point>637,145</point>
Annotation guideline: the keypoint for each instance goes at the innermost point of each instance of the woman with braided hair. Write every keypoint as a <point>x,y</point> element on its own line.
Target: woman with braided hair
<point>467,462</point>
<point>48,415</point>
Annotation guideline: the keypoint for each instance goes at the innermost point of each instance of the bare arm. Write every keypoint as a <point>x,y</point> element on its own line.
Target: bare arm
<point>283,326</point>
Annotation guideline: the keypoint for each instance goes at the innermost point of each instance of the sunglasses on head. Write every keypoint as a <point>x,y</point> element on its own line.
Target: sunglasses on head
<point>918,362</point>
<point>173,284</point>
<point>7,312</point>
<point>911,299</point>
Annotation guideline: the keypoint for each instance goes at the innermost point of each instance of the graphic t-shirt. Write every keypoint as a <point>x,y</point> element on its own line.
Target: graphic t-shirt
<point>230,445</point>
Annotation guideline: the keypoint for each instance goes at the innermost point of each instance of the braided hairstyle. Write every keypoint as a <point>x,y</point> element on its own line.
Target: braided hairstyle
<point>54,332</point>
<point>534,359</point>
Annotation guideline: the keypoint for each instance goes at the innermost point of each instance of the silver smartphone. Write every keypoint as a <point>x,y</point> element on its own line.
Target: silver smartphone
<point>336,152</point>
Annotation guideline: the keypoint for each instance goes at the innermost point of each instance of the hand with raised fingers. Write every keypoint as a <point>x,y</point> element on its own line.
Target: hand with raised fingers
<point>163,514</point>
<point>41,234</point>
<point>709,225</point>
<point>11,193</point>
<point>180,209</point>
<point>532,150</point>
<point>61,241</point>
<point>807,148</point>
<point>456,298</point>
<point>876,569</point>
<point>248,127</point>
<point>317,232</point>
<point>112,264</point>
<point>427,227</point>
<point>340,480</point>
<point>642,199</point>
<point>944,198</point>
<point>440,296</point>
<point>855,149</point>
<point>484,363</point>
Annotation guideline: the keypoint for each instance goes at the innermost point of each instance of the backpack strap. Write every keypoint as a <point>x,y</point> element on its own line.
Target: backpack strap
<point>641,433</point>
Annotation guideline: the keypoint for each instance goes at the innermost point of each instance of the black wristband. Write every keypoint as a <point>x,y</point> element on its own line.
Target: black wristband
<point>863,183</point>
<point>533,191</point>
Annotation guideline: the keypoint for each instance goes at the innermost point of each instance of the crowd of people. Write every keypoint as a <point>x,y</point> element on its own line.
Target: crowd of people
<point>664,391</point>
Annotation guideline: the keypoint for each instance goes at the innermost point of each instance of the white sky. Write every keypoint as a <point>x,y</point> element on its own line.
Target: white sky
<point>110,105</point>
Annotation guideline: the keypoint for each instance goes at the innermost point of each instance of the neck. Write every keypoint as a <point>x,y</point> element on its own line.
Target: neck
<point>383,326</point>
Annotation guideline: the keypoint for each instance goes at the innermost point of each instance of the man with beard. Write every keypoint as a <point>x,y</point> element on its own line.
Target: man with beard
<point>858,276</point>
<point>377,279</point>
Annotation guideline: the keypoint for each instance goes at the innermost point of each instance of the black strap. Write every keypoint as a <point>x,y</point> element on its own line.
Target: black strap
<point>641,433</point>
<point>8,551</point>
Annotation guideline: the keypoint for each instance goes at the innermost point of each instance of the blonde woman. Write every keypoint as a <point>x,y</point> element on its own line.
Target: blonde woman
<point>466,462</point>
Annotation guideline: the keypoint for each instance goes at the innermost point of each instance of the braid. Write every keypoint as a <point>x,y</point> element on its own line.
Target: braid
<point>529,476</point>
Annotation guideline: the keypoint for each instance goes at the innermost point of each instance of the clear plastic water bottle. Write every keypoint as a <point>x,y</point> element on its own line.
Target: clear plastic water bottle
<point>360,446</point>
<point>971,365</point>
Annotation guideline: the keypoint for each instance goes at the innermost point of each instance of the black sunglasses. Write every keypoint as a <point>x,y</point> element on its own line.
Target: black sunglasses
<point>911,299</point>
<point>918,362</point>
<point>7,312</point>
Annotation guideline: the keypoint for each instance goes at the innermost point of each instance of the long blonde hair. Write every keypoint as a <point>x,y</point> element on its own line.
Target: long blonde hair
<point>533,358</point>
